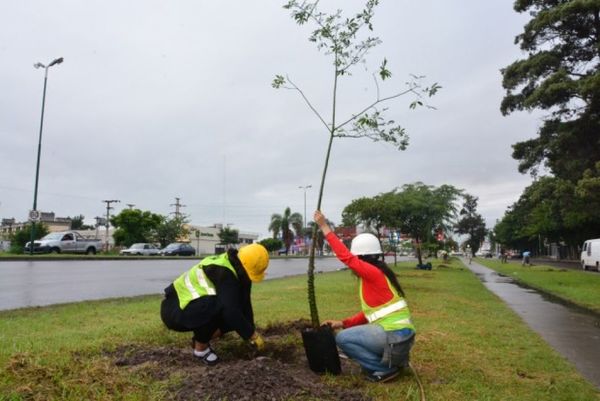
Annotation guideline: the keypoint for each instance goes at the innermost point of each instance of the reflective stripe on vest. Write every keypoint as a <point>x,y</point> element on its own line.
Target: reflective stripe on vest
<point>393,315</point>
<point>386,311</point>
<point>194,284</point>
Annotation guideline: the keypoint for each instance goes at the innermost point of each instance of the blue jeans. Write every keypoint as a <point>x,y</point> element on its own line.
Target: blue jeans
<point>365,344</point>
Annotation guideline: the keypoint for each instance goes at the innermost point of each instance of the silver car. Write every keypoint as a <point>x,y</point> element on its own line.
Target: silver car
<point>142,249</point>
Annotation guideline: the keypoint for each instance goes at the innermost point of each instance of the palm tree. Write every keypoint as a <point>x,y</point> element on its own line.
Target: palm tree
<point>282,223</point>
<point>320,236</point>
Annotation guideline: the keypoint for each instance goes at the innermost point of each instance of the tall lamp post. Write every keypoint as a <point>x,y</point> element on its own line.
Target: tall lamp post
<point>34,214</point>
<point>305,187</point>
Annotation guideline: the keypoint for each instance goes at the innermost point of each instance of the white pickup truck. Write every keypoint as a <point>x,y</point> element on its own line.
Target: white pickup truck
<point>65,241</point>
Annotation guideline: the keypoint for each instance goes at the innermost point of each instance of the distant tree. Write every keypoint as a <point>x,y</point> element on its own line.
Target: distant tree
<point>555,210</point>
<point>286,224</point>
<point>370,212</point>
<point>320,237</point>
<point>560,75</point>
<point>229,236</point>
<point>272,244</point>
<point>344,41</point>
<point>133,226</point>
<point>19,238</point>
<point>77,223</point>
<point>171,230</point>
<point>422,210</point>
<point>471,223</point>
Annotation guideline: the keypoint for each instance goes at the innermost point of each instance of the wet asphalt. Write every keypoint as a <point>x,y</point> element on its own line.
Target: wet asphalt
<point>572,332</point>
<point>37,283</point>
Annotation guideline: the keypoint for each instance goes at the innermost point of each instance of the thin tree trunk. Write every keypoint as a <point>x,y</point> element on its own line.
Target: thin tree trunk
<point>312,299</point>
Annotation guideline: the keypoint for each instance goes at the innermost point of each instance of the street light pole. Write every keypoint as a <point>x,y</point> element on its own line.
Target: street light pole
<point>305,187</point>
<point>37,168</point>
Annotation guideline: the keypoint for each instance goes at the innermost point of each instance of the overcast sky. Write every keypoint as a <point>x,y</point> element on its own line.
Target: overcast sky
<point>163,99</point>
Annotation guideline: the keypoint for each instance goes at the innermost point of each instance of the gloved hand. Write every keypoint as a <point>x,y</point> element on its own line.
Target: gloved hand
<point>257,341</point>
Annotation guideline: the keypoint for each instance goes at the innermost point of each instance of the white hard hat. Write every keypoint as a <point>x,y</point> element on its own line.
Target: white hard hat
<point>365,244</point>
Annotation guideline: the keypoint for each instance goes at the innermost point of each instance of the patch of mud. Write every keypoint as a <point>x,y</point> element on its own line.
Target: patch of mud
<point>279,373</point>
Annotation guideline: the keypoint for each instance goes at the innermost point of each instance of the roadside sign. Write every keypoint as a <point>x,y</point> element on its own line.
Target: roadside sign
<point>34,215</point>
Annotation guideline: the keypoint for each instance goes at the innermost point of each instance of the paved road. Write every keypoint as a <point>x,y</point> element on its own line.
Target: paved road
<point>575,335</point>
<point>38,283</point>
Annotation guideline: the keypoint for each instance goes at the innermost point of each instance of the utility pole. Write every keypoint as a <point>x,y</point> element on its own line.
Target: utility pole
<point>177,207</point>
<point>108,208</point>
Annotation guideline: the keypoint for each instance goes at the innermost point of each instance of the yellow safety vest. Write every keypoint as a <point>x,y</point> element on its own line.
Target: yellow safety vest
<point>393,315</point>
<point>194,284</point>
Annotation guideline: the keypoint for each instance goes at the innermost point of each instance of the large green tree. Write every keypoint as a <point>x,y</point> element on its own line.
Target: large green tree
<point>416,209</point>
<point>560,75</point>
<point>135,225</point>
<point>553,210</point>
<point>347,41</point>
<point>471,223</point>
<point>286,224</point>
<point>371,212</point>
<point>422,211</point>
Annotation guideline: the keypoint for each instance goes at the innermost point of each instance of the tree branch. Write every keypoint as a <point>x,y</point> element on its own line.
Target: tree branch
<point>295,87</point>
<point>375,103</point>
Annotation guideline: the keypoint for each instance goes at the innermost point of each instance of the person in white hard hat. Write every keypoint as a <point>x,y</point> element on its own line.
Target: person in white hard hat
<point>381,335</point>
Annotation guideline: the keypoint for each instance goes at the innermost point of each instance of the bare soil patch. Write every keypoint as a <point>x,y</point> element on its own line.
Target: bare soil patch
<point>279,373</point>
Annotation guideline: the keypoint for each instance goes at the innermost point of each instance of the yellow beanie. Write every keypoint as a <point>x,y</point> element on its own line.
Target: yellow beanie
<point>255,260</point>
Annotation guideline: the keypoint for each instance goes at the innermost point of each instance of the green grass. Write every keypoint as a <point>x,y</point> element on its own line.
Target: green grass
<point>575,286</point>
<point>470,345</point>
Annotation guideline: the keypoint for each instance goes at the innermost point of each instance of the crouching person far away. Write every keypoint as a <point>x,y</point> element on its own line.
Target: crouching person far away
<point>379,337</point>
<point>213,298</point>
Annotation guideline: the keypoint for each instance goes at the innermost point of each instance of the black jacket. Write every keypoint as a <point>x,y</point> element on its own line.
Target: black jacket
<point>231,306</point>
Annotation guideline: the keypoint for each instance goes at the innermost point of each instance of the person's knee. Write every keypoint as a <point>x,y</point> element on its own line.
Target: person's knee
<point>342,338</point>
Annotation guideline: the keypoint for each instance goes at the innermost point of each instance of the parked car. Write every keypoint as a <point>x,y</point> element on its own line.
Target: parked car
<point>142,249</point>
<point>178,249</point>
<point>64,241</point>
<point>590,254</point>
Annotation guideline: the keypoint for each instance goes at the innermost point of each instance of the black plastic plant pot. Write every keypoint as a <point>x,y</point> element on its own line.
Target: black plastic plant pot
<point>321,350</point>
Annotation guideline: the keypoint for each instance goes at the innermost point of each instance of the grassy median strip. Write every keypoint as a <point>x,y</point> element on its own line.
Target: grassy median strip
<point>575,286</point>
<point>470,345</point>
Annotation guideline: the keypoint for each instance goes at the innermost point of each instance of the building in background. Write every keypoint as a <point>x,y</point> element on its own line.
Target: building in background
<point>206,239</point>
<point>53,223</point>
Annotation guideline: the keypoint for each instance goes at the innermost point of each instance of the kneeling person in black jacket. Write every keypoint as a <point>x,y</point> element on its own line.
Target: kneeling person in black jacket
<point>213,298</point>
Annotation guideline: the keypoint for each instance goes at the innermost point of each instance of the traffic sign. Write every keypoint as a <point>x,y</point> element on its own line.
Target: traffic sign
<point>34,215</point>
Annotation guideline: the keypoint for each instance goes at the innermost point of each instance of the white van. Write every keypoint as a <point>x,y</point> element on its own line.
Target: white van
<point>590,254</point>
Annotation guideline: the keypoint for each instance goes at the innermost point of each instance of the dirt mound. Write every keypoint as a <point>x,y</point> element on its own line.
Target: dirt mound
<point>261,379</point>
<point>280,373</point>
